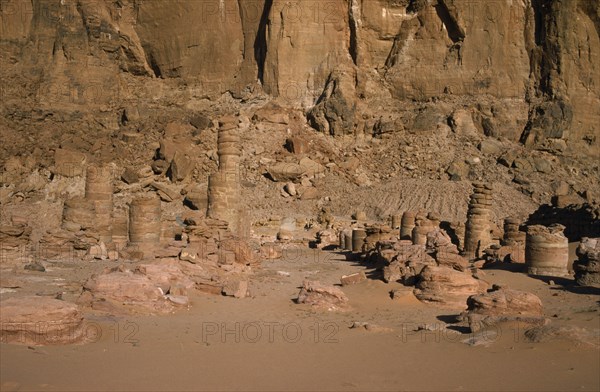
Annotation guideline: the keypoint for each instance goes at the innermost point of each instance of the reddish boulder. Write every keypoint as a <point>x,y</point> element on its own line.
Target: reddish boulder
<point>40,321</point>
<point>446,286</point>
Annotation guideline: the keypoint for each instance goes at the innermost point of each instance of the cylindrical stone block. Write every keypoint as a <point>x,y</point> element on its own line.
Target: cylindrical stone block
<point>120,227</point>
<point>396,221</point>
<point>358,238</point>
<point>144,221</point>
<point>348,240</point>
<point>98,183</point>
<point>78,213</point>
<point>477,229</point>
<point>407,225</point>
<point>103,219</point>
<point>546,251</point>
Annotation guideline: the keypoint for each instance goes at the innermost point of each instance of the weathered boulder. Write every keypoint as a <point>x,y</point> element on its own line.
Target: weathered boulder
<point>282,172</point>
<point>503,304</point>
<point>123,291</point>
<point>166,274</point>
<point>447,287</point>
<point>237,288</point>
<point>407,264</point>
<point>587,266</point>
<point>37,320</point>
<point>322,296</point>
<point>351,279</point>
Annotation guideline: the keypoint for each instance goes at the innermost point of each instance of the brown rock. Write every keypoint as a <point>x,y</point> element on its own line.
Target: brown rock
<point>37,320</point>
<point>321,296</point>
<point>587,266</point>
<point>181,167</point>
<point>69,163</point>
<point>121,290</point>
<point>446,286</point>
<point>296,145</point>
<point>165,274</point>
<point>272,114</point>
<point>502,304</point>
<point>237,288</point>
<point>283,172</point>
<point>271,251</point>
<point>348,280</point>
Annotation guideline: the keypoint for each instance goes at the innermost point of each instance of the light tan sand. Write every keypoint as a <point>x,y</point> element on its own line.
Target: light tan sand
<point>215,345</point>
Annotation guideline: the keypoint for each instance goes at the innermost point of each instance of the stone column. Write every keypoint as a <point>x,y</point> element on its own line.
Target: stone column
<point>358,239</point>
<point>224,186</point>
<point>512,235</point>
<point>78,214</point>
<point>547,250</point>
<point>407,225</point>
<point>396,221</point>
<point>422,227</point>
<point>477,230</point>
<point>144,221</point>
<point>99,190</point>
<point>348,239</point>
<point>120,228</point>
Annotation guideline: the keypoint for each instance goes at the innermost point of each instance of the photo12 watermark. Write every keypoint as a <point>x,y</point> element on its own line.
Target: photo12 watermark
<point>269,332</point>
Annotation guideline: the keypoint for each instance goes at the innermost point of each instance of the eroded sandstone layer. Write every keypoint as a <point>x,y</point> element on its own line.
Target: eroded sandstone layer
<point>531,65</point>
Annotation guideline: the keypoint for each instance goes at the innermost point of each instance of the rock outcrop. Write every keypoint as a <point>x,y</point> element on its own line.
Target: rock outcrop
<point>536,59</point>
<point>500,305</point>
<point>322,296</point>
<point>37,321</point>
<point>587,266</point>
<point>447,287</point>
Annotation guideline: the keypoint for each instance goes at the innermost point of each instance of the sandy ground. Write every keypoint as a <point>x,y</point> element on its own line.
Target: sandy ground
<point>268,342</point>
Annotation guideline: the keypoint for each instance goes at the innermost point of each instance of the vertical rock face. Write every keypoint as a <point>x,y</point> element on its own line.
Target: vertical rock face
<point>203,40</point>
<point>566,71</point>
<point>537,60</point>
<point>460,47</point>
<point>305,41</point>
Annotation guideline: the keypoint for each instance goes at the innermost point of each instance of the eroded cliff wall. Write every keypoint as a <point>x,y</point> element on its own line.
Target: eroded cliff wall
<point>528,68</point>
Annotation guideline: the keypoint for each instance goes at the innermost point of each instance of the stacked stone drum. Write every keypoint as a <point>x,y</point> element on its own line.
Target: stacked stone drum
<point>99,190</point>
<point>477,231</point>
<point>144,221</point>
<point>547,250</point>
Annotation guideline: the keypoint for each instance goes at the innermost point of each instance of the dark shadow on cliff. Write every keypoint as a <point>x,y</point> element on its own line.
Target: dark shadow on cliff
<point>260,43</point>
<point>579,220</point>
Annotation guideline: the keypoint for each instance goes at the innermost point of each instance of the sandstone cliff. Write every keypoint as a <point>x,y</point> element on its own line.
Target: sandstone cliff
<point>527,70</point>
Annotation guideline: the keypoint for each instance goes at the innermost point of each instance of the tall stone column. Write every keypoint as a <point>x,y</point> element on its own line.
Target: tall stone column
<point>224,185</point>
<point>99,191</point>
<point>144,221</point>
<point>477,231</point>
